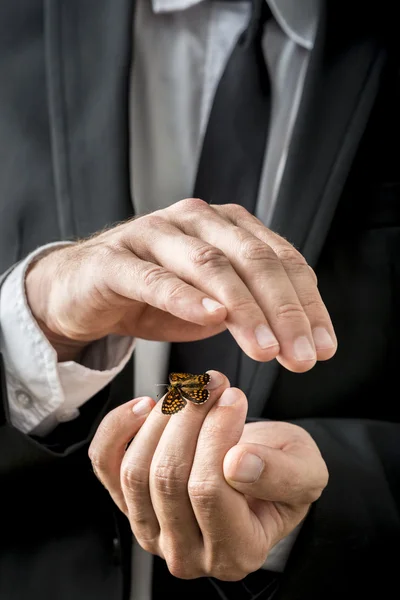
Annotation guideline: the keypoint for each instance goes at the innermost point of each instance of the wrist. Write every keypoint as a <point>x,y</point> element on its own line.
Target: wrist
<point>37,289</point>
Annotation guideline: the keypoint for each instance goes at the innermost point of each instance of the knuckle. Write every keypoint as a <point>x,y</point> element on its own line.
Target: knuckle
<point>176,290</point>
<point>209,257</point>
<point>153,275</point>
<point>312,304</point>
<point>214,432</point>
<point>169,478</point>
<point>190,205</point>
<point>289,254</point>
<point>236,211</point>
<point>152,221</point>
<point>108,251</point>
<point>204,493</point>
<point>322,481</point>
<point>227,568</point>
<point>134,477</point>
<point>244,304</point>
<point>312,495</point>
<point>253,249</point>
<point>289,312</point>
<point>313,275</point>
<point>179,567</point>
<point>97,460</point>
<point>229,574</point>
<point>149,544</point>
<point>103,256</point>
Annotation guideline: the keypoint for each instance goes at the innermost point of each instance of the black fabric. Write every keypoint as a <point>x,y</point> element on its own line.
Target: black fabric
<point>59,122</point>
<point>233,147</point>
<point>230,166</point>
<point>348,545</point>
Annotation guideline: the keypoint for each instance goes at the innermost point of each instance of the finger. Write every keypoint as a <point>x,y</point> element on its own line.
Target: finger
<point>136,279</point>
<point>135,478</point>
<point>301,275</point>
<point>297,476</point>
<point>304,281</point>
<point>169,475</point>
<point>135,470</point>
<point>206,268</point>
<point>219,512</point>
<point>173,329</point>
<point>268,284</point>
<point>107,448</point>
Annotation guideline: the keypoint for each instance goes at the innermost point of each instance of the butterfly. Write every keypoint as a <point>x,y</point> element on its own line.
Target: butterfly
<point>183,387</point>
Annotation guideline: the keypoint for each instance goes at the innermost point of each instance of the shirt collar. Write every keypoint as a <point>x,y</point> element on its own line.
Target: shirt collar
<point>297,18</point>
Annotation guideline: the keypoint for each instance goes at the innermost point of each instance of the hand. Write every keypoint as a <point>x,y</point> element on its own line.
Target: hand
<point>172,482</point>
<point>183,273</point>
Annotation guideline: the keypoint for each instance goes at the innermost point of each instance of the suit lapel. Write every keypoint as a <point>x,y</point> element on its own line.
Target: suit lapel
<point>340,87</point>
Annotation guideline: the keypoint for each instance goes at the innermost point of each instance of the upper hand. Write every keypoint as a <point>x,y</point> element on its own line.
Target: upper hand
<point>172,482</point>
<point>183,273</point>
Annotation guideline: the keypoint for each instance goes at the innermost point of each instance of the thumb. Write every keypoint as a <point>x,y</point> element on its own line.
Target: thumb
<point>266,473</point>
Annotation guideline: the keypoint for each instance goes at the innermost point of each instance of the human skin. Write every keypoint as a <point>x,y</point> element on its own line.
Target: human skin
<point>202,489</point>
<point>184,273</point>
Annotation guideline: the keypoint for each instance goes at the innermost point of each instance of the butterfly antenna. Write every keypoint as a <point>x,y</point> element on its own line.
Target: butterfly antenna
<point>161,385</point>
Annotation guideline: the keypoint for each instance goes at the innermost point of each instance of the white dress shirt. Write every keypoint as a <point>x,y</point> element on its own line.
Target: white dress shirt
<point>180,49</point>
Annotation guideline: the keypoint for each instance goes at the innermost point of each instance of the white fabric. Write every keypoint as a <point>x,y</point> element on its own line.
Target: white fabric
<point>41,391</point>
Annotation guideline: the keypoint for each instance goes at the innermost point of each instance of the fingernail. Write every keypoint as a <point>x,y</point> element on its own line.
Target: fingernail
<point>303,350</point>
<point>211,305</point>
<point>265,337</point>
<point>322,339</point>
<point>228,398</point>
<point>249,469</point>
<point>216,379</point>
<point>143,407</point>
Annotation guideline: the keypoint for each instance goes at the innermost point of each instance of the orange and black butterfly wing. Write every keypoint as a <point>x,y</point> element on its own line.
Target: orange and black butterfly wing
<point>197,396</point>
<point>173,402</point>
<point>189,380</point>
<point>180,377</point>
<point>203,379</point>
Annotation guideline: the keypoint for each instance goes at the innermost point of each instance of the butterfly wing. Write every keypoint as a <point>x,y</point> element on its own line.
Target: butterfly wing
<point>173,402</point>
<point>175,378</point>
<point>189,380</point>
<point>197,395</point>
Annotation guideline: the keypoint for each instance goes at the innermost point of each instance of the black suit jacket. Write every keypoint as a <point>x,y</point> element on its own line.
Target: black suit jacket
<point>64,74</point>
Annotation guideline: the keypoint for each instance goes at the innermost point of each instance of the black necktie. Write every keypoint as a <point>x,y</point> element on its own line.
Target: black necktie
<point>230,166</point>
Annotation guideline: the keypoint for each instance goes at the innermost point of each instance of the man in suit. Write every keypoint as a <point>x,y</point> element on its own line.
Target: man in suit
<point>78,117</point>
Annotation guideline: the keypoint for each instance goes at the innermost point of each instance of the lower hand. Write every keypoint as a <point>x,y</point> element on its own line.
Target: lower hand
<point>203,490</point>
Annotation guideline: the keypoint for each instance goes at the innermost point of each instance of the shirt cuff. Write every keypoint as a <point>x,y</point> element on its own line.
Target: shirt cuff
<point>42,392</point>
<point>279,554</point>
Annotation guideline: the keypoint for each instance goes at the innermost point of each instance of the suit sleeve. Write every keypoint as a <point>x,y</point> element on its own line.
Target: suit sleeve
<point>348,546</point>
<point>18,450</point>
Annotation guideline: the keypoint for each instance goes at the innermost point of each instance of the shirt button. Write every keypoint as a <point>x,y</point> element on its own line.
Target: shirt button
<point>68,415</point>
<point>116,551</point>
<point>24,399</point>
